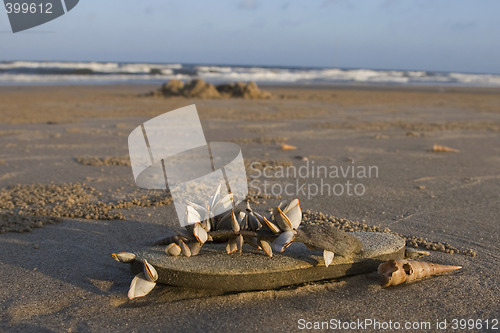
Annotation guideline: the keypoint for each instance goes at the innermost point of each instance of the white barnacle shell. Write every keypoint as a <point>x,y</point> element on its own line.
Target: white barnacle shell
<point>194,205</point>
<point>294,213</point>
<point>140,286</point>
<point>281,219</point>
<point>124,257</point>
<point>173,249</point>
<point>192,215</point>
<point>328,257</point>
<point>223,205</point>
<point>235,224</point>
<point>184,249</point>
<point>266,247</point>
<point>242,221</point>
<point>207,222</point>
<point>283,240</point>
<point>215,197</point>
<point>239,243</point>
<point>150,272</point>
<point>231,246</point>
<point>200,233</point>
<point>289,217</point>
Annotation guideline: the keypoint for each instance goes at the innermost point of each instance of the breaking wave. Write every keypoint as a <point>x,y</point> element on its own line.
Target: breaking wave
<point>38,72</point>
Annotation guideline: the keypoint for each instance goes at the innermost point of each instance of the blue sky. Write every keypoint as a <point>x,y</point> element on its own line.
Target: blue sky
<point>452,35</point>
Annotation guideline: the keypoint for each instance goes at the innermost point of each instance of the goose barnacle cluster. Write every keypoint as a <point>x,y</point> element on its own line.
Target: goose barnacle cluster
<point>270,233</point>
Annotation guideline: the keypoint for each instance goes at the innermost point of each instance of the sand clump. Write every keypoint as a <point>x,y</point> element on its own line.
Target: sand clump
<point>263,164</point>
<point>200,89</point>
<point>23,207</point>
<point>261,140</point>
<point>248,90</point>
<point>413,128</point>
<point>104,161</point>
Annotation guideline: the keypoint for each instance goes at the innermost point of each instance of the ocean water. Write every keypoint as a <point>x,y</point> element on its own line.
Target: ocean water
<point>41,73</point>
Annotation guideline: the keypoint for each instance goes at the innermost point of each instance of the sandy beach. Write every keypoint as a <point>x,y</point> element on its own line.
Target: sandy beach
<point>68,200</point>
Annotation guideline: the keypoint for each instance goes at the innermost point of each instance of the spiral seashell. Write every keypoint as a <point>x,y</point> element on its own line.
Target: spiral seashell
<point>444,149</point>
<point>398,271</point>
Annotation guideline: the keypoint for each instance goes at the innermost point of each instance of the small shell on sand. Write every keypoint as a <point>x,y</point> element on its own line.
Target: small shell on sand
<point>123,257</point>
<point>140,286</point>
<point>444,149</point>
<point>285,146</point>
<point>411,253</point>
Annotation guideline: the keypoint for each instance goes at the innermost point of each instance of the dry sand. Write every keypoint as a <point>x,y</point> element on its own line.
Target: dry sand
<point>63,153</point>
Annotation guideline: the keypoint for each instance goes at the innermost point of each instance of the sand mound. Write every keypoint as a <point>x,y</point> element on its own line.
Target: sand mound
<point>248,90</point>
<point>193,89</point>
<point>200,89</point>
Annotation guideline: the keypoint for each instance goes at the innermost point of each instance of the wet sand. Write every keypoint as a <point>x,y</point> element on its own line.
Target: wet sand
<point>64,152</point>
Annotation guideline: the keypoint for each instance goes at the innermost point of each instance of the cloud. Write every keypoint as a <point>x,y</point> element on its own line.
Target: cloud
<point>248,4</point>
